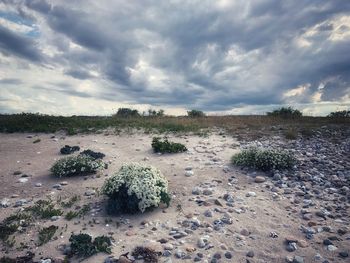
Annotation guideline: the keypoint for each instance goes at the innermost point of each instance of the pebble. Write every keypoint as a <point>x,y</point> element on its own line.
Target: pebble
<point>250,194</point>
<point>259,179</point>
<point>189,173</point>
<point>298,259</point>
<point>331,248</point>
<point>250,254</point>
<point>38,185</point>
<point>201,243</point>
<point>5,202</point>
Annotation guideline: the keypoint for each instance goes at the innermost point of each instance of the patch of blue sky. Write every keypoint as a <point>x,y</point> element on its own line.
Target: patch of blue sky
<point>15,18</point>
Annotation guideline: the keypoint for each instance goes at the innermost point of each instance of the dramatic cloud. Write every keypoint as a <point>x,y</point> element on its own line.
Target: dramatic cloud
<point>219,56</point>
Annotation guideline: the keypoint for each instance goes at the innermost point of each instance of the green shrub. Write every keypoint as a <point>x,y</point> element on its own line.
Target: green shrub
<point>127,113</point>
<point>83,246</point>
<point>81,212</point>
<point>76,165</point>
<point>46,234</point>
<point>264,160</point>
<point>135,187</point>
<point>195,113</point>
<point>166,146</point>
<point>285,112</point>
<point>340,114</point>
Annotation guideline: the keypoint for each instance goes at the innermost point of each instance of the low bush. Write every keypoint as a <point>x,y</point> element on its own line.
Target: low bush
<point>78,213</point>
<point>340,114</point>
<point>285,112</point>
<point>76,165</point>
<point>83,246</point>
<point>46,234</point>
<point>195,113</point>
<point>92,154</point>
<point>166,146</point>
<point>134,188</point>
<point>127,113</point>
<point>264,160</point>
<point>69,149</point>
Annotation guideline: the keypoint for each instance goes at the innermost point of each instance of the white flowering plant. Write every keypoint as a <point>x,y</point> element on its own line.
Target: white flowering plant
<point>135,187</point>
<point>76,165</point>
<point>264,160</point>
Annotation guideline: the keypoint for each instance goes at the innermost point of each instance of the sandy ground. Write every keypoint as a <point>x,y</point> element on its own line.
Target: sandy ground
<point>207,156</point>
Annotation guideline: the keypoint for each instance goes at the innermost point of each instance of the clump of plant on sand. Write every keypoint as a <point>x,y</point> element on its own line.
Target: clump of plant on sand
<point>166,146</point>
<point>135,187</point>
<point>76,165</point>
<point>264,159</point>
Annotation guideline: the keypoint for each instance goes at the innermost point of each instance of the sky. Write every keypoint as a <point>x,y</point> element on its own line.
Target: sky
<point>88,57</point>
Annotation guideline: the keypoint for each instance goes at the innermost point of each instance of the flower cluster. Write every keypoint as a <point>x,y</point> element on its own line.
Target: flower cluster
<point>76,165</point>
<point>264,160</point>
<point>143,183</point>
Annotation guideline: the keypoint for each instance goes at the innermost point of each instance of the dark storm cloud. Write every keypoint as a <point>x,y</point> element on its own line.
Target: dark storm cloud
<point>14,44</point>
<point>195,52</point>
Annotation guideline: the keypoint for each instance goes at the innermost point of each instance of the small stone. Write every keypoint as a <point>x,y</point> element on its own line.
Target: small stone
<point>291,247</point>
<point>180,254</point>
<point>201,243</point>
<point>48,260</point>
<point>228,255</point>
<point>196,191</point>
<point>298,259</point>
<point>17,172</point>
<point>208,191</point>
<point>251,194</point>
<point>38,185</point>
<point>250,254</point>
<point>331,248</point>
<point>167,253</point>
<point>208,213</point>
<point>5,202</point>
<point>245,232</point>
<point>90,192</point>
<point>343,254</point>
<point>168,246</point>
<point>64,183</point>
<point>259,179</point>
<point>23,180</point>
<point>55,218</point>
<point>189,173</point>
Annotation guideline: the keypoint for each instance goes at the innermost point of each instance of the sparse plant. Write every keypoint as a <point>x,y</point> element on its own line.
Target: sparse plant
<point>264,160</point>
<point>285,112</point>
<point>46,234</point>
<point>70,202</point>
<point>11,224</point>
<point>92,154</point>
<point>69,149</point>
<point>44,209</point>
<point>83,246</point>
<point>291,134</point>
<point>76,165</point>
<point>167,147</point>
<point>135,187</point>
<point>148,255</point>
<point>79,213</point>
<point>195,113</point>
